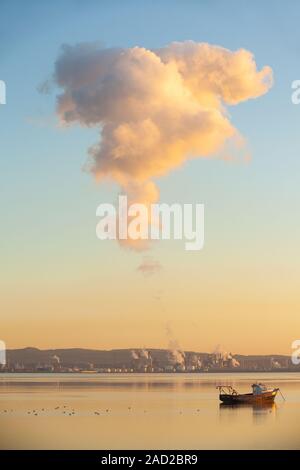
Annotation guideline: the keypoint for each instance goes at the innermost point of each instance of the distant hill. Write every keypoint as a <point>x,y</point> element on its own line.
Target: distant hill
<point>77,357</point>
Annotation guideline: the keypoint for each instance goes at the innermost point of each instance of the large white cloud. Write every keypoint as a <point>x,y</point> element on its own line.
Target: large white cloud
<point>154,109</point>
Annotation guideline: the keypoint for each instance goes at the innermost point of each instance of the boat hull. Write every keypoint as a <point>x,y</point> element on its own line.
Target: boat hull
<point>249,398</point>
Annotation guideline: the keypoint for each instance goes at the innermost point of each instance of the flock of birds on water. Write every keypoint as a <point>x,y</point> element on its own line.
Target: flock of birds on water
<point>65,410</point>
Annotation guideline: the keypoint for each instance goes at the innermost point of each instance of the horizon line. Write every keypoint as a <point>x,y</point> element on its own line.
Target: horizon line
<point>140,349</point>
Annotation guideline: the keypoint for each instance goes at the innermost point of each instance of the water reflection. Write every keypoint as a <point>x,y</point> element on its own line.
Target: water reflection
<point>260,412</point>
<point>154,411</point>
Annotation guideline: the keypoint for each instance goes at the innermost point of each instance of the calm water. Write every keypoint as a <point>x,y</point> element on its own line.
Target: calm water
<point>147,411</point>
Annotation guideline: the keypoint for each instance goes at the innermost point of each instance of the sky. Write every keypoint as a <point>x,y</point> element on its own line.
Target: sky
<point>60,285</point>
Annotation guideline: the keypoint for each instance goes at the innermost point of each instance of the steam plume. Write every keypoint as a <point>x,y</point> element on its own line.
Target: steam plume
<point>155,109</point>
<point>149,266</point>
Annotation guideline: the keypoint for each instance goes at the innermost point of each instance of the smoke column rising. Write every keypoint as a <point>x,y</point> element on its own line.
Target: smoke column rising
<point>155,109</point>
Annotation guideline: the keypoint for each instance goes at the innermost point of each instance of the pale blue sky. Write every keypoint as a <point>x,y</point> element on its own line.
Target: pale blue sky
<point>48,203</point>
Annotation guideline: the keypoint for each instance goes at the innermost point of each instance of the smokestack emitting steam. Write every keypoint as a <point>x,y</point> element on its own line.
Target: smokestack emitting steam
<point>55,359</point>
<point>235,362</point>
<point>175,353</point>
<point>155,109</point>
<point>221,356</point>
<point>134,355</point>
<point>140,354</point>
<point>177,356</point>
<point>144,354</point>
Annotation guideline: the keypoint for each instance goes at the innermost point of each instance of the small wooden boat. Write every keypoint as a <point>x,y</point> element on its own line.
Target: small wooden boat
<point>260,395</point>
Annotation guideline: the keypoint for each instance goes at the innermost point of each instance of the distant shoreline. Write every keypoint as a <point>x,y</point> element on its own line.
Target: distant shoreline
<point>140,361</point>
<point>200,372</point>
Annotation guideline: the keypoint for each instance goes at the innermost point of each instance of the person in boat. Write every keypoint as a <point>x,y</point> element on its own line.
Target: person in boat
<point>258,389</point>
